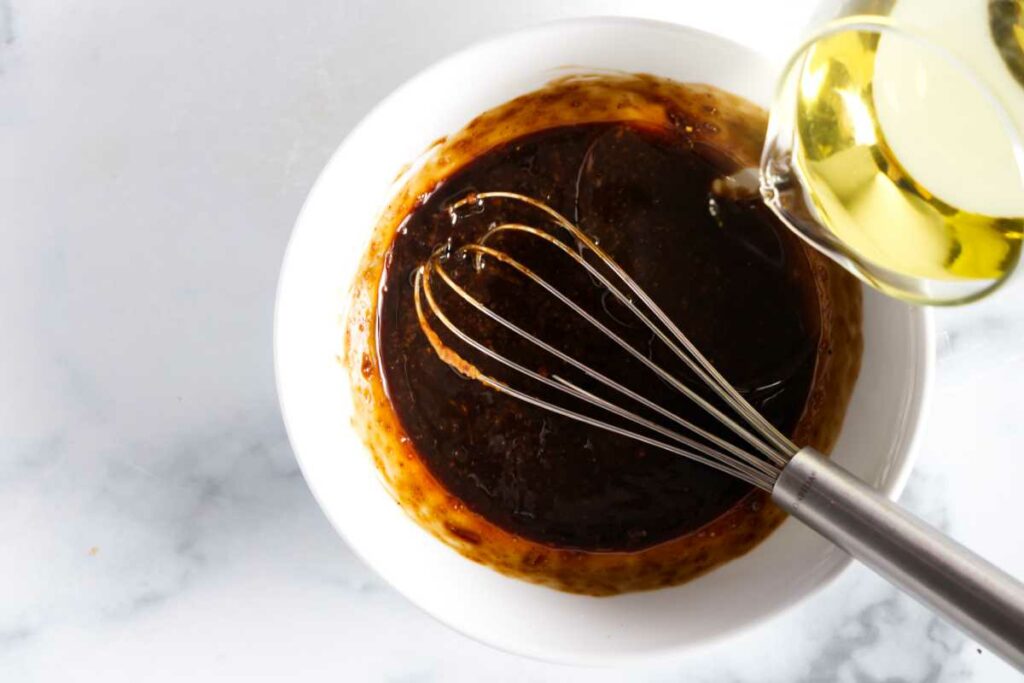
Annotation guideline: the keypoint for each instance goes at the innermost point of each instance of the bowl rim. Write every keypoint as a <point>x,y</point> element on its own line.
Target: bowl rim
<point>921,321</point>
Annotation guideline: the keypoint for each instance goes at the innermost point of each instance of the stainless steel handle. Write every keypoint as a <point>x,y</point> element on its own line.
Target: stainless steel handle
<point>972,593</point>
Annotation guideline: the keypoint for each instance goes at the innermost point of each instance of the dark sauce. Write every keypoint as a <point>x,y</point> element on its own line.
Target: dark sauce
<point>733,279</point>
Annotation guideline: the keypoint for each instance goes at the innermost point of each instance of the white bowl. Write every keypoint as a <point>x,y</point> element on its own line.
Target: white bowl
<point>883,420</point>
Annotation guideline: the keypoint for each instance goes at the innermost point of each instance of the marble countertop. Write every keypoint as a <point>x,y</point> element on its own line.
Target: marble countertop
<point>155,527</point>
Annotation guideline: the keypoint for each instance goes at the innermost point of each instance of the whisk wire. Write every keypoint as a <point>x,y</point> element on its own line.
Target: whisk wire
<point>564,385</point>
<point>741,470</point>
<point>435,265</point>
<point>707,371</point>
<point>695,360</point>
<point>771,450</point>
<point>745,434</point>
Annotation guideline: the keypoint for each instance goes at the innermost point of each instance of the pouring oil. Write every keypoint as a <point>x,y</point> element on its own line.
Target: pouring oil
<point>903,163</point>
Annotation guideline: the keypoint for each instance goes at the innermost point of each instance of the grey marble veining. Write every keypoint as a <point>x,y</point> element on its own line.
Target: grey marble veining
<point>155,526</point>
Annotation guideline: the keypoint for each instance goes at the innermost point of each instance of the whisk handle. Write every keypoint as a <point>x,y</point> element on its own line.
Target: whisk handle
<point>970,592</point>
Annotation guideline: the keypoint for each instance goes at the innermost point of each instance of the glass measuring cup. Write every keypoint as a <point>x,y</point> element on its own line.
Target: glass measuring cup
<point>895,146</point>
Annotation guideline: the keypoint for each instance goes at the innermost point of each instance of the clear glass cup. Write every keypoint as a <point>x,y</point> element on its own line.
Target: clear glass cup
<point>895,145</point>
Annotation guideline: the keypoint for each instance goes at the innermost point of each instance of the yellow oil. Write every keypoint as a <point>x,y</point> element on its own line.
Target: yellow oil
<point>1006,25</point>
<point>863,194</point>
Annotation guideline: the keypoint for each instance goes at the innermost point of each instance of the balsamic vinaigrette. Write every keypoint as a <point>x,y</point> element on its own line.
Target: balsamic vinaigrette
<point>733,279</point>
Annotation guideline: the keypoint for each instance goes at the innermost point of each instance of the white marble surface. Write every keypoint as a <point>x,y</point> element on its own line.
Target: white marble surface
<point>154,525</point>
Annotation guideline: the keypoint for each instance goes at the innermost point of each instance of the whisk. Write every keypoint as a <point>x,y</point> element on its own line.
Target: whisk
<point>969,591</point>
